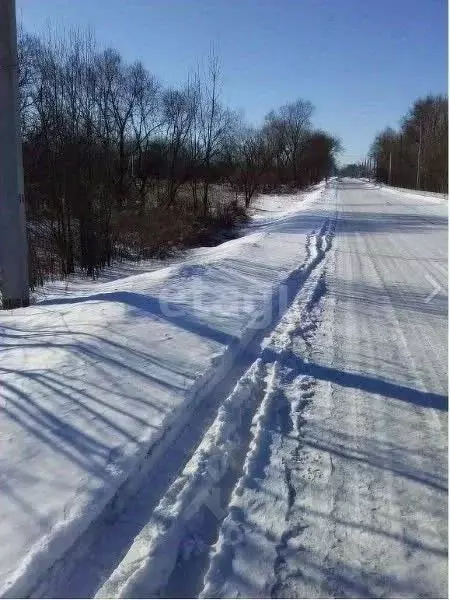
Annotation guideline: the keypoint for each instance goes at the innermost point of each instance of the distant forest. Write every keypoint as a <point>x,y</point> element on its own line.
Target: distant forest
<point>118,166</point>
<point>415,156</point>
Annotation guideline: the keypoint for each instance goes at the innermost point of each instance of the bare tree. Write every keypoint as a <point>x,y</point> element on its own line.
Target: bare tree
<point>146,122</point>
<point>179,109</point>
<point>416,156</point>
<point>287,130</point>
<point>117,166</point>
<point>213,121</point>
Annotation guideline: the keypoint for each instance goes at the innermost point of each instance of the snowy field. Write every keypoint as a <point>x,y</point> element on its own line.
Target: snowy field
<point>267,418</point>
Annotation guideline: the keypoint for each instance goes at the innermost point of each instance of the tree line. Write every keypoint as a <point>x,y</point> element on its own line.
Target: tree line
<point>117,165</point>
<point>416,155</point>
<point>358,170</point>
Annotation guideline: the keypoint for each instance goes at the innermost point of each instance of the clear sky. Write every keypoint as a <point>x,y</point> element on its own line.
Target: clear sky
<point>360,62</point>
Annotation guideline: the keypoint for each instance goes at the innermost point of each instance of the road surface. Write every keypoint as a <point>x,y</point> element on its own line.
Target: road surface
<point>324,473</point>
<point>366,473</point>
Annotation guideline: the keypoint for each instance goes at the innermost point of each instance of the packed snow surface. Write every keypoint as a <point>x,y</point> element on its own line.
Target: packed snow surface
<point>267,418</point>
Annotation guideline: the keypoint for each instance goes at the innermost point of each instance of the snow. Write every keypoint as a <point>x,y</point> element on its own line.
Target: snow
<point>151,558</point>
<point>434,197</point>
<point>93,376</point>
<point>267,418</point>
<point>365,449</point>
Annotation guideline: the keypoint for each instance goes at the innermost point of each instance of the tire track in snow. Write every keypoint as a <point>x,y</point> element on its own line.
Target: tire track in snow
<point>215,466</point>
<point>310,321</point>
<point>299,324</point>
<point>304,337</point>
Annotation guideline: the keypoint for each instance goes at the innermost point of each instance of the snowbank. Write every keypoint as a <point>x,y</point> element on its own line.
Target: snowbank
<point>416,194</point>
<point>94,378</point>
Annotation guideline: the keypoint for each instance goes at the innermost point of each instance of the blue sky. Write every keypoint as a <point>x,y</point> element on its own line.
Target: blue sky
<point>360,62</point>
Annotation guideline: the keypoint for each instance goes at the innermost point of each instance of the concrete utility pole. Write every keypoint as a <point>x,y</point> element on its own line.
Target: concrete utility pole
<point>419,156</point>
<point>13,243</point>
<point>390,169</point>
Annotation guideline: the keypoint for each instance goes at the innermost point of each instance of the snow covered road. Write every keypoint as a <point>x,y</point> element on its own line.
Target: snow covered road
<point>289,389</point>
<point>364,497</point>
